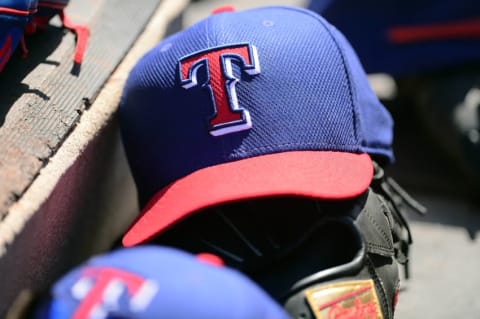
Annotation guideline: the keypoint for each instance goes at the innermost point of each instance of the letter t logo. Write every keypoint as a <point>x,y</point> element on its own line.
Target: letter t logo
<point>99,291</point>
<point>228,116</point>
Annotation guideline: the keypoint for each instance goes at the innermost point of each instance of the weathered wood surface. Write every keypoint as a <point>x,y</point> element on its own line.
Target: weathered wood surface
<point>43,97</point>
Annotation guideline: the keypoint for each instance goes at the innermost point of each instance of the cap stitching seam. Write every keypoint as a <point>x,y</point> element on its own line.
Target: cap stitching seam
<point>381,293</point>
<point>345,68</point>
<point>302,144</point>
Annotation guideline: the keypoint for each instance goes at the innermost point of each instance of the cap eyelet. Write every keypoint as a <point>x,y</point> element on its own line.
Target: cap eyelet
<point>268,23</point>
<point>166,47</point>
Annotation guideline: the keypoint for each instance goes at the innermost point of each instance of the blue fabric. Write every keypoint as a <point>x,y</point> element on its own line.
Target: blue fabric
<point>19,4</point>
<point>367,24</point>
<point>11,32</point>
<point>157,282</point>
<point>12,26</point>
<point>311,94</point>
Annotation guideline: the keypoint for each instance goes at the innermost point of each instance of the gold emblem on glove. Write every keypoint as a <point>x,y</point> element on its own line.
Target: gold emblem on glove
<point>345,300</point>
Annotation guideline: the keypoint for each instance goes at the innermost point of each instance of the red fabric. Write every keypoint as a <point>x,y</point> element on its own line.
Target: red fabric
<point>52,5</point>
<point>210,259</point>
<point>323,175</point>
<point>23,46</point>
<point>395,299</point>
<point>5,52</point>
<point>445,31</point>
<point>223,9</point>
<point>82,33</point>
<point>15,11</point>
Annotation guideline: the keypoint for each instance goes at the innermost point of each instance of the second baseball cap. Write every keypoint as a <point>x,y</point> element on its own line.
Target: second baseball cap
<point>264,102</point>
<point>156,282</point>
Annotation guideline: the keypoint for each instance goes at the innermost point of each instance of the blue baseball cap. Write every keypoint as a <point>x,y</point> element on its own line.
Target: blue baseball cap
<point>270,101</point>
<point>14,16</point>
<point>405,37</point>
<point>157,282</point>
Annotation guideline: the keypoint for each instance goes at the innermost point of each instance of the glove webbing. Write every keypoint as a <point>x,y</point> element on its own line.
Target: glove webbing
<point>398,200</point>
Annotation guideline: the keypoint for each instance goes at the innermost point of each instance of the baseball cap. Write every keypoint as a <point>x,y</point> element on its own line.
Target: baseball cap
<point>270,101</point>
<point>156,282</point>
<point>403,38</point>
<point>14,16</point>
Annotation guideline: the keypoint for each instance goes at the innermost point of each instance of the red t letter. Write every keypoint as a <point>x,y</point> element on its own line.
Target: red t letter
<point>100,287</point>
<point>228,116</point>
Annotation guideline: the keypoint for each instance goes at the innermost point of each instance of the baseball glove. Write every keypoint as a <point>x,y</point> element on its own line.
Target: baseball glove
<point>320,259</point>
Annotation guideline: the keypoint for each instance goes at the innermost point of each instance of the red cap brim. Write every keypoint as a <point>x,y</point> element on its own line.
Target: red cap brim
<point>323,175</point>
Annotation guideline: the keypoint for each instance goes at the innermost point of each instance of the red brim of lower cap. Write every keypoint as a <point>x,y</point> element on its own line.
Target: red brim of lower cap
<point>322,175</point>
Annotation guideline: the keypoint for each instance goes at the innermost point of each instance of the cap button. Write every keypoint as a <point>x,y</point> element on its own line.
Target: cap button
<point>223,9</point>
<point>210,259</point>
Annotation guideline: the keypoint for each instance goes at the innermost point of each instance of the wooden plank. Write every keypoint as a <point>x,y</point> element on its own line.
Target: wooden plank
<point>43,97</point>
